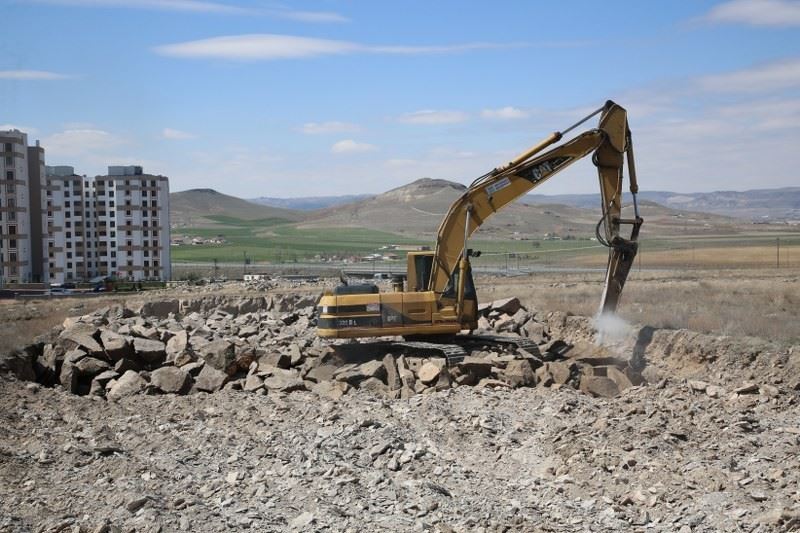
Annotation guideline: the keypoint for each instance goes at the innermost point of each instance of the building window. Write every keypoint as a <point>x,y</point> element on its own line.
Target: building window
<point>12,244</point>
<point>113,234</point>
<point>9,147</point>
<point>12,229</point>
<point>9,161</point>
<point>69,265</point>
<point>9,174</point>
<point>10,188</point>
<point>69,255</point>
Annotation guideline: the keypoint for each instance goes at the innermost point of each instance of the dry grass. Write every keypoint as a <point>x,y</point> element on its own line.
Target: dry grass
<point>755,303</point>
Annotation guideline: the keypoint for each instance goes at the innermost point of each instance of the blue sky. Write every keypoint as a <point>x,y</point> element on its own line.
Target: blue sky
<point>255,98</point>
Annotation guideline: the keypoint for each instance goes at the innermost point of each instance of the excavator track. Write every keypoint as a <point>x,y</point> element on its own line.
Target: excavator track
<point>462,345</point>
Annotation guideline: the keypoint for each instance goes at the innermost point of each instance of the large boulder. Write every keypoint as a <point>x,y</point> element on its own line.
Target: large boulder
<point>179,350</point>
<point>519,373</point>
<point>150,351</point>
<point>116,346</point>
<point>220,354</point>
<point>599,386</point>
<point>508,306</point>
<point>393,381</point>
<point>19,363</point>
<point>210,379</point>
<point>171,380</point>
<point>81,335</point>
<point>91,366</point>
<point>128,384</point>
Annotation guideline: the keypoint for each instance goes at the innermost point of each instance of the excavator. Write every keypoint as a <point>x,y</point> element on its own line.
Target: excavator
<point>439,300</point>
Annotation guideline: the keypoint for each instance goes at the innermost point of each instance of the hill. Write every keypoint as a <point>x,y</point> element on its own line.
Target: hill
<point>209,208</point>
<point>417,209</point>
<point>309,203</point>
<point>756,204</point>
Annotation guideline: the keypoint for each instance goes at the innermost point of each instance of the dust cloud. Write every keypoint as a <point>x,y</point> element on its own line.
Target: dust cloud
<point>611,328</point>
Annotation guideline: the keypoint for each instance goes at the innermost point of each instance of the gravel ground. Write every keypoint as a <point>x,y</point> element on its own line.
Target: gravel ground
<point>657,458</point>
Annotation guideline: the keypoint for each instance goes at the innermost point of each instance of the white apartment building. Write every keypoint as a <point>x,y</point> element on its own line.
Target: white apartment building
<point>57,226</point>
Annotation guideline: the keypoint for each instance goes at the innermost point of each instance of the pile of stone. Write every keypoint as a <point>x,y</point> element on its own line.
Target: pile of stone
<point>263,344</point>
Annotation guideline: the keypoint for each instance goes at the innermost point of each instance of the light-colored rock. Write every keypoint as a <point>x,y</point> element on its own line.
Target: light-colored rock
<point>129,384</point>
<point>429,372</point>
<point>171,380</point>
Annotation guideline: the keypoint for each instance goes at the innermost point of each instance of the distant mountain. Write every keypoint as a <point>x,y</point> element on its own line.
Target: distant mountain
<point>309,203</point>
<point>196,207</point>
<point>774,204</point>
<point>418,208</point>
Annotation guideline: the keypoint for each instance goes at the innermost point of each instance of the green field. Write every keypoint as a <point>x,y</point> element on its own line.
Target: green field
<point>277,241</point>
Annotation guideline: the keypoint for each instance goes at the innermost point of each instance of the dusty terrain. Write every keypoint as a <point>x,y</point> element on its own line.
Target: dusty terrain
<point>708,443</point>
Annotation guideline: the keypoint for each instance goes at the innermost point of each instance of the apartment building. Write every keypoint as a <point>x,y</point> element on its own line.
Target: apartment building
<point>15,228</point>
<point>57,226</point>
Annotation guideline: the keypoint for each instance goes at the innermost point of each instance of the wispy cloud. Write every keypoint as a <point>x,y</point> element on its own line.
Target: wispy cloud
<point>203,6</point>
<point>80,142</point>
<point>267,46</point>
<point>777,13</point>
<point>349,146</point>
<point>505,113</point>
<point>31,75</point>
<point>430,116</point>
<point>770,77</point>
<point>23,129</point>
<point>318,128</point>
<point>176,135</point>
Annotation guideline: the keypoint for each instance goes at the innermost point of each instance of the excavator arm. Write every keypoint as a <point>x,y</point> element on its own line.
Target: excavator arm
<point>610,143</point>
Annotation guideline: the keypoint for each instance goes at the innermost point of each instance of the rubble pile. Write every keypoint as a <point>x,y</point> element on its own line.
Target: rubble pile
<point>261,344</point>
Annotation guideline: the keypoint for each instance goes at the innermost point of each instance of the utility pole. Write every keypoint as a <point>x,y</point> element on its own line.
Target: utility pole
<point>778,252</point>
<point>215,268</point>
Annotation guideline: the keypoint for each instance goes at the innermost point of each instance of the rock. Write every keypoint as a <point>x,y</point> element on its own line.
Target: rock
<point>373,385</point>
<point>770,391</point>
<point>519,373</point>
<point>125,364</point>
<point>492,384</point>
<point>90,367</point>
<point>81,335</point>
<point>393,381</point>
<point>68,377</point>
<point>332,390</point>
<point>151,352</point>
<point>128,384</point>
<point>477,366</point>
<point>115,345</point>
<point>179,351</point>
<point>713,391</point>
<point>599,386</point>
<point>136,504</point>
<point>171,380</point>
<point>220,354</point>
<point>100,381</point>
<point>160,309</point>
<point>274,360</point>
<point>284,383</point>
<point>619,377</point>
<point>18,363</point>
<point>321,373</point>
<point>355,374</point>
<point>508,306</point>
<point>429,372</point>
<point>302,521</point>
<point>697,385</point>
<point>295,355</point>
<point>557,373</point>
<point>535,331</point>
<point>747,388</point>
<point>253,383</point>
<point>210,379</point>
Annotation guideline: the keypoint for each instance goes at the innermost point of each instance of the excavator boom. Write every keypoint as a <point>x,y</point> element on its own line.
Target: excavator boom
<point>610,143</point>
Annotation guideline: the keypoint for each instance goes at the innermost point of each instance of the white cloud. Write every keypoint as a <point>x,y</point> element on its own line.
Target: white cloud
<point>349,146</point>
<point>504,113</point>
<point>317,128</point>
<point>780,13</point>
<point>266,46</point>
<point>81,142</point>
<point>34,75</point>
<point>24,129</point>
<point>203,6</point>
<point>176,135</point>
<point>770,77</point>
<point>430,116</point>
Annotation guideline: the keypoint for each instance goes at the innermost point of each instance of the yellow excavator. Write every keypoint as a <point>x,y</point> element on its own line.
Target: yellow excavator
<point>440,299</point>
